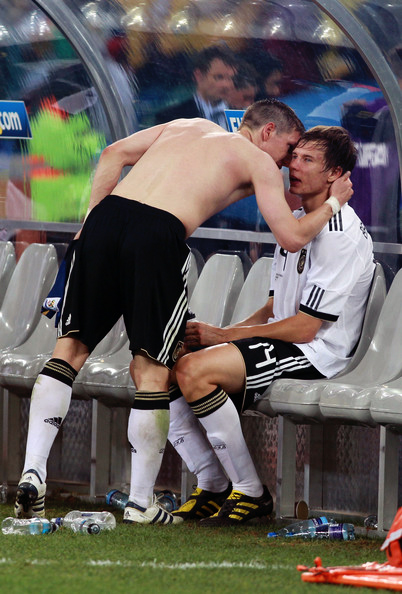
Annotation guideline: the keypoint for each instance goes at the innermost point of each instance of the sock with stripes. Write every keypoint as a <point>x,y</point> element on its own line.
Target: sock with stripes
<point>219,417</point>
<point>189,440</point>
<point>50,401</point>
<point>148,427</point>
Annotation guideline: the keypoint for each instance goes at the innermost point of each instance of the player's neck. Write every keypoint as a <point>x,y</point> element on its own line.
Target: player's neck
<point>311,202</point>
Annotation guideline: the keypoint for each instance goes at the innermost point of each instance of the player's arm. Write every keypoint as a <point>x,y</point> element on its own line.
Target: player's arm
<point>292,234</point>
<point>298,329</point>
<point>203,334</point>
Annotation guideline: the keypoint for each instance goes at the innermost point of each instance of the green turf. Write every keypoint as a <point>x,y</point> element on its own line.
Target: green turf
<point>168,559</point>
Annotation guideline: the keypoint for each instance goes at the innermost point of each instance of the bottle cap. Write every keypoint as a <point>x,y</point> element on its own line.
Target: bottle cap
<point>109,495</point>
<point>272,534</point>
<point>93,529</point>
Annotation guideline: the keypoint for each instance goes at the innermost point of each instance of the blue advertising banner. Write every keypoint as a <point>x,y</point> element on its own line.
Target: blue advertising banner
<point>233,118</point>
<point>14,121</point>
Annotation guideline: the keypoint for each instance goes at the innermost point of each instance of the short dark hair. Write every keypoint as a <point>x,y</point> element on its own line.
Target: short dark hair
<point>336,143</point>
<point>245,76</point>
<point>204,58</point>
<point>271,110</point>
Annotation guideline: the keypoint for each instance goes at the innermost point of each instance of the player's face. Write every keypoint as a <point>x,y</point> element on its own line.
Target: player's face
<point>281,147</point>
<point>307,176</point>
<point>215,84</point>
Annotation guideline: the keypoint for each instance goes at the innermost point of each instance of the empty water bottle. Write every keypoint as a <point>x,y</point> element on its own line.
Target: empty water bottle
<point>117,499</point>
<point>167,499</point>
<point>28,526</point>
<point>87,522</point>
<point>317,528</point>
<point>302,529</point>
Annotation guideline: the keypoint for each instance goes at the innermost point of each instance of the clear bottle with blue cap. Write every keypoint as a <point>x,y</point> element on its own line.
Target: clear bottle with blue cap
<point>28,526</point>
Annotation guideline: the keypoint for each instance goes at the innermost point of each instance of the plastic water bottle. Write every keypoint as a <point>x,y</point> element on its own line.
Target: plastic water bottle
<point>117,499</point>
<point>340,532</point>
<point>302,529</point>
<point>28,526</point>
<point>167,500</point>
<point>316,528</point>
<point>87,522</point>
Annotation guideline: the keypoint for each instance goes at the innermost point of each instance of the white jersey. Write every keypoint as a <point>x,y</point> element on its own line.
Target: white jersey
<point>328,279</point>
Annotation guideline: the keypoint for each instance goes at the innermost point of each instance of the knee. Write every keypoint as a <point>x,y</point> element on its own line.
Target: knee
<point>187,374</point>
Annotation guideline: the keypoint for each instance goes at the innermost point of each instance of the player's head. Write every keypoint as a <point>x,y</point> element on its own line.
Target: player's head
<point>271,110</point>
<point>321,156</point>
<point>273,127</point>
<point>336,144</point>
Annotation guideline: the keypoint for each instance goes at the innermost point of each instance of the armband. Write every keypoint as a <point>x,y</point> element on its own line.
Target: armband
<point>334,204</point>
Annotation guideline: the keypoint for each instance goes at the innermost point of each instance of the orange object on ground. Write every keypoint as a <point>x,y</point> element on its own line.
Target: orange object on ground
<point>371,575</point>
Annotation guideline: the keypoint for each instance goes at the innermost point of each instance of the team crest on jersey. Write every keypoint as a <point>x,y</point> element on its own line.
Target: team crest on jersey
<point>302,260</point>
<point>177,350</point>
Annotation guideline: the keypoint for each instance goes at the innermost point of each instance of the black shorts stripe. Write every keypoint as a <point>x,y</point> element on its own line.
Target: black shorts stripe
<point>266,360</point>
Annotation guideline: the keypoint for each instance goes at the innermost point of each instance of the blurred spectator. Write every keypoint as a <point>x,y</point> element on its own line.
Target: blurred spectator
<point>245,87</point>
<point>213,73</point>
<point>269,70</point>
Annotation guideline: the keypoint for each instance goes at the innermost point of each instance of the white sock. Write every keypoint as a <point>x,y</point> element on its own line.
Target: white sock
<point>225,434</point>
<point>50,402</point>
<point>189,440</point>
<point>147,434</point>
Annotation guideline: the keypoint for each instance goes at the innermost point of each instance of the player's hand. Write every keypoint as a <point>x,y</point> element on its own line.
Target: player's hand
<point>342,188</point>
<point>201,334</point>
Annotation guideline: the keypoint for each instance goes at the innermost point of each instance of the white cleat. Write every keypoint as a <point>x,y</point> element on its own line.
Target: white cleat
<point>30,499</point>
<point>154,514</point>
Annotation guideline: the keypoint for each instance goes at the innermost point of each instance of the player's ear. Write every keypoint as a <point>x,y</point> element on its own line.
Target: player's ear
<point>334,173</point>
<point>268,130</point>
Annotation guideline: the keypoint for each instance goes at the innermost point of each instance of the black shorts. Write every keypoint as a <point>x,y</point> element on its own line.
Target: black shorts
<point>132,260</point>
<point>266,360</point>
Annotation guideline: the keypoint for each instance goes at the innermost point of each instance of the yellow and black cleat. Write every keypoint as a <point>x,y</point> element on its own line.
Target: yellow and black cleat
<point>202,504</point>
<point>240,508</point>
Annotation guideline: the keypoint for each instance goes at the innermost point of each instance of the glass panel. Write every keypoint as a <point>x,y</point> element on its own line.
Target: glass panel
<point>377,177</point>
<point>285,49</point>
<point>45,177</point>
<point>154,52</point>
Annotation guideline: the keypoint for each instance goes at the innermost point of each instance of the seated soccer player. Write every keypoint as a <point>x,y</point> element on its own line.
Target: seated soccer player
<point>307,329</point>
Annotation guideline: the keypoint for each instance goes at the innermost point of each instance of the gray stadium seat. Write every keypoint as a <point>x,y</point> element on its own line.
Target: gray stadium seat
<point>7,265</point>
<point>196,265</point>
<point>344,399</point>
<point>217,289</point>
<point>30,283</point>
<point>255,290</point>
<point>19,315</point>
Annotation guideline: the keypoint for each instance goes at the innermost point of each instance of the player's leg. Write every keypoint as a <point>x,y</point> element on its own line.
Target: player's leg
<point>189,440</point>
<point>206,378</point>
<point>148,428</point>
<point>50,401</point>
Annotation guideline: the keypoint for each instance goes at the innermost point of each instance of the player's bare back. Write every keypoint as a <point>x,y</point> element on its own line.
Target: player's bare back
<point>193,170</point>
